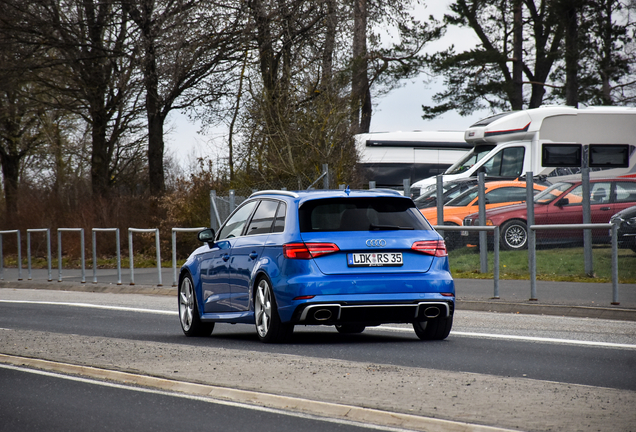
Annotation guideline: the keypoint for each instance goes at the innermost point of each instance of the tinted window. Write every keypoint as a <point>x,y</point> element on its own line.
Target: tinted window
<point>506,194</point>
<point>279,224</point>
<point>235,224</point>
<point>360,214</point>
<point>263,219</point>
<point>600,193</point>
<point>465,198</point>
<point>625,191</point>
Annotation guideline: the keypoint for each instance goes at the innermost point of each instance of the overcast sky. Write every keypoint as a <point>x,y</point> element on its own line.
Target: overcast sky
<point>400,110</point>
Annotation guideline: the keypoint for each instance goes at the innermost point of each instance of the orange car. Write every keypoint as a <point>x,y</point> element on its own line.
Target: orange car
<point>498,194</point>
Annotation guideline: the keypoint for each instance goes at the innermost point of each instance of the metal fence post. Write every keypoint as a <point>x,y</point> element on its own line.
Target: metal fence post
<point>406,184</point>
<point>174,250</point>
<point>131,253</point>
<point>116,231</point>
<point>59,252</point>
<point>371,184</point>
<point>496,262</point>
<point>615,263</point>
<point>532,251</point>
<point>440,202</point>
<point>483,236</point>
<point>48,250</point>
<point>325,179</point>
<point>587,218</point>
<point>19,263</point>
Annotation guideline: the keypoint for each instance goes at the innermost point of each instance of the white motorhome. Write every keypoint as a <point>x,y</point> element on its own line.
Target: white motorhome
<point>508,145</point>
<point>390,157</point>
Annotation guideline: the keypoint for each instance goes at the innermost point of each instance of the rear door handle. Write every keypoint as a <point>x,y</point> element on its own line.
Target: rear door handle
<point>226,257</point>
<point>606,208</point>
<point>253,255</point>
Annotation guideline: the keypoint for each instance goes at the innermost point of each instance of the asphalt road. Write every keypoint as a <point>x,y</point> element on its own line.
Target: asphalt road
<point>535,359</point>
<point>53,402</point>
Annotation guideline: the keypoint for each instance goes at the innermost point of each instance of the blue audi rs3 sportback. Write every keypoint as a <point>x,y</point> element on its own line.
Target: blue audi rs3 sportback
<point>345,258</point>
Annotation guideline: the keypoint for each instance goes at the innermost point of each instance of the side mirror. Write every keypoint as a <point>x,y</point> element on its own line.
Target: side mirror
<point>206,236</point>
<point>563,202</point>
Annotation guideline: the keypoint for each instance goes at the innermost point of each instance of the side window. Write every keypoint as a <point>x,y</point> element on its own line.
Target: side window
<point>600,193</point>
<point>234,225</point>
<point>279,224</point>
<point>512,162</point>
<point>263,218</point>
<point>506,163</point>
<point>575,197</point>
<point>506,194</point>
<point>625,192</point>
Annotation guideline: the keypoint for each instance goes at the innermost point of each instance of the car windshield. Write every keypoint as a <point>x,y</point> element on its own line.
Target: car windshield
<point>360,214</point>
<point>430,194</point>
<point>469,159</point>
<point>551,193</point>
<point>465,198</point>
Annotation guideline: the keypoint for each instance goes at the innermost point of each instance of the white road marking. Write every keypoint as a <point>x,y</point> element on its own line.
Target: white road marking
<point>95,306</point>
<point>381,328</point>
<point>206,399</point>
<point>520,338</point>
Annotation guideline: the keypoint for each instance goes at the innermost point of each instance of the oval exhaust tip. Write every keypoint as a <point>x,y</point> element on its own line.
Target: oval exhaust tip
<point>432,312</point>
<point>322,314</point>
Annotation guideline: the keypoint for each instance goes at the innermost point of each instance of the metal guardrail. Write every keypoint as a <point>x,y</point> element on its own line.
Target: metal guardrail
<point>59,251</point>
<point>174,250</point>
<point>495,230</point>
<point>48,250</point>
<point>117,243</point>
<point>130,251</point>
<point>17,232</point>
<point>532,258</point>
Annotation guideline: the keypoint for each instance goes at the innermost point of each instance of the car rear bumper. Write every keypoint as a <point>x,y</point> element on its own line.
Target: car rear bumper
<point>371,313</point>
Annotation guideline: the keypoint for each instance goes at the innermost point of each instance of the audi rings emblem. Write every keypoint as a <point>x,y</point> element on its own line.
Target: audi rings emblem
<point>376,243</point>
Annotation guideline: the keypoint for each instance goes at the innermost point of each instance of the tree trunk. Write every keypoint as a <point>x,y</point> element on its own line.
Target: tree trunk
<point>360,94</point>
<point>516,98</point>
<point>11,177</point>
<point>570,15</point>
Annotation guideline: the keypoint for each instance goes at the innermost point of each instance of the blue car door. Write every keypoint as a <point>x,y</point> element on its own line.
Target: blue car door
<point>215,266</point>
<point>246,252</point>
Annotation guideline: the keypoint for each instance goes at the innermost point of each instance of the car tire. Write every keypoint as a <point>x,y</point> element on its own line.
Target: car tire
<point>269,327</point>
<point>191,323</point>
<point>433,329</point>
<point>350,328</point>
<point>514,235</point>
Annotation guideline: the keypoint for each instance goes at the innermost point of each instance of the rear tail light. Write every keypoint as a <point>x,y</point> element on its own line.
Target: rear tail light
<point>308,250</point>
<point>431,247</point>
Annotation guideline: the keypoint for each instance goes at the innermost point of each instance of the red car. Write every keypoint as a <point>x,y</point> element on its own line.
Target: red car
<point>561,203</point>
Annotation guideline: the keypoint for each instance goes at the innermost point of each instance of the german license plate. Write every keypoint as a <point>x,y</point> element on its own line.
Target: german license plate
<point>374,259</point>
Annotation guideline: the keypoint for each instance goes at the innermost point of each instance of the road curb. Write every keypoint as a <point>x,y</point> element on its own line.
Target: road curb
<point>620,314</point>
<point>287,403</point>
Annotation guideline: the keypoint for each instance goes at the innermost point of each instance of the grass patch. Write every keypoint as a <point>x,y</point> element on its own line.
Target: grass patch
<point>554,264</point>
<point>140,261</point>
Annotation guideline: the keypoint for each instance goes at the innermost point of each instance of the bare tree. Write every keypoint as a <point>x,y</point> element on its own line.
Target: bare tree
<point>87,68</point>
<point>183,44</point>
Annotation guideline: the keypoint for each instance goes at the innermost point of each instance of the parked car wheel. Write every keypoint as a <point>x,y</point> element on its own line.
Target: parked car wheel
<point>514,235</point>
<point>269,327</point>
<point>433,329</point>
<point>350,328</point>
<point>191,324</point>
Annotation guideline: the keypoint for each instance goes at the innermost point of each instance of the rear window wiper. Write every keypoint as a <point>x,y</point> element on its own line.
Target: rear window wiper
<point>373,227</point>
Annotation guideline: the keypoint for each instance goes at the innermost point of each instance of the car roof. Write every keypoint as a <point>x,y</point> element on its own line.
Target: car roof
<point>302,196</point>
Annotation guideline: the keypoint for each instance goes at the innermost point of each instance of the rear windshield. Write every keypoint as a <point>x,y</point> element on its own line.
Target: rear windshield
<point>360,214</point>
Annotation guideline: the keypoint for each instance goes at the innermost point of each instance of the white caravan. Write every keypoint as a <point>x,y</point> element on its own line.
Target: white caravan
<point>390,157</point>
<point>508,145</point>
